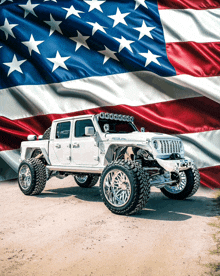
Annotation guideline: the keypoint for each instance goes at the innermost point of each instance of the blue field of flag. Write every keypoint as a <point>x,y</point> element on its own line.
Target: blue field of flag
<point>54,41</point>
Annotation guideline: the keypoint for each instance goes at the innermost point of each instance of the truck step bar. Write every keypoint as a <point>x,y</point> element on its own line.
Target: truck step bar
<point>97,170</point>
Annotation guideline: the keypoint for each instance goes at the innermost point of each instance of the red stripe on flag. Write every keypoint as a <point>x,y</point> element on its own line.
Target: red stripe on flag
<point>210,176</point>
<point>188,4</point>
<point>172,117</point>
<point>195,59</point>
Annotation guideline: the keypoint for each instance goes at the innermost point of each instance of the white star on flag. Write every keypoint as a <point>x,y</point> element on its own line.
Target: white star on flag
<point>7,28</point>
<point>94,4</point>
<point>108,54</point>
<point>14,65</point>
<point>97,27</point>
<point>29,8</point>
<point>150,57</point>
<point>80,41</point>
<point>119,17</point>
<point>58,61</point>
<point>32,44</point>
<point>140,2</point>
<point>144,30</point>
<point>124,43</point>
<point>54,25</point>
<point>72,11</point>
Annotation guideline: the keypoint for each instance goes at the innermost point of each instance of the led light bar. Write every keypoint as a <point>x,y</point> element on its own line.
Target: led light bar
<point>117,117</point>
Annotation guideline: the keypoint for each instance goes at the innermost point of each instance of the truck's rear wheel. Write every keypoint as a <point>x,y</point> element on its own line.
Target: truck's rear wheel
<point>31,176</point>
<point>124,187</point>
<point>186,186</point>
<point>86,180</point>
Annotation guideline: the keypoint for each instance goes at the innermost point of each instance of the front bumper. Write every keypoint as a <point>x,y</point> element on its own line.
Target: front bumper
<point>176,165</point>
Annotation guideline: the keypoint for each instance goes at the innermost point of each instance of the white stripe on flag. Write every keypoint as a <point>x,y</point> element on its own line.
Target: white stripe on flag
<point>202,147</point>
<point>134,89</point>
<point>191,25</point>
<point>208,87</point>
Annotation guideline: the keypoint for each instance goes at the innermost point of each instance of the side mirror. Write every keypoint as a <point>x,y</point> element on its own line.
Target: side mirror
<point>89,131</point>
<point>142,129</point>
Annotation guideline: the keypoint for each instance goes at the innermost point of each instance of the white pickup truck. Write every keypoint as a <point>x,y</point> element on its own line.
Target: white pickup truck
<point>108,146</point>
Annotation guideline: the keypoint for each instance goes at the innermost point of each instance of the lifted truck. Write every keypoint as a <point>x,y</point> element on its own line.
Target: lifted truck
<point>110,147</point>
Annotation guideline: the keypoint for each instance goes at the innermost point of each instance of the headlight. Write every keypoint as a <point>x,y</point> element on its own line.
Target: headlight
<point>156,144</point>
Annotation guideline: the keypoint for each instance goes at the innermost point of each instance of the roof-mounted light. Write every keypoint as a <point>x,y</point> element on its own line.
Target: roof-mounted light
<point>115,116</point>
<point>124,118</point>
<point>107,116</point>
<point>102,115</point>
<point>120,117</point>
<point>131,119</point>
<point>111,116</point>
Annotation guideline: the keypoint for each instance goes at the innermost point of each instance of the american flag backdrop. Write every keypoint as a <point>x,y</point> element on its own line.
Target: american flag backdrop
<point>158,61</point>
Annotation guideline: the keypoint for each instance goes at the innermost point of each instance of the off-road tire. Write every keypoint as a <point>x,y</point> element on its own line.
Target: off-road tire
<point>192,185</point>
<point>38,176</point>
<point>91,180</point>
<point>42,159</point>
<point>46,135</point>
<point>196,175</point>
<point>140,187</point>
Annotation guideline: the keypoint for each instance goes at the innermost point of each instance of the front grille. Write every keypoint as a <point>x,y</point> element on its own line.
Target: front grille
<point>170,146</point>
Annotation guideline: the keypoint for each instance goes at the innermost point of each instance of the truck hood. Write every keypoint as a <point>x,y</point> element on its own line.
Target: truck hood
<point>138,136</point>
<point>168,144</point>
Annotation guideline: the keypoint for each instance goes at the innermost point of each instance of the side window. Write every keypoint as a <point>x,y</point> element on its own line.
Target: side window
<point>80,127</point>
<point>63,130</point>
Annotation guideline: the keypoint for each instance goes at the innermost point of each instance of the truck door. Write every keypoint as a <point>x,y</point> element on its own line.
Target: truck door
<point>84,148</point>
<point>60,146</point>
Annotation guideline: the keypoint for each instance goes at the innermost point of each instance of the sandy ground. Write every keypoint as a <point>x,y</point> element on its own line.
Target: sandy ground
<point>67,230</point>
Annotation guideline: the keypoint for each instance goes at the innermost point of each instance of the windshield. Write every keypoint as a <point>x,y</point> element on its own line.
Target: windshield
<point>111,126</point>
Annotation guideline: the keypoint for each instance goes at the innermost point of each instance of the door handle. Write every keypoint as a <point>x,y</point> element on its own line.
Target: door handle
<point>75,145</point>
<point>58,146</point>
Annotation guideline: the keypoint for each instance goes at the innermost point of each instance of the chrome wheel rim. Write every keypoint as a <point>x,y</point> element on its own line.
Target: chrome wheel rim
<point>117,188</point>
<point>81,178</point>
<point>180,186</point>
<point>25,177</point>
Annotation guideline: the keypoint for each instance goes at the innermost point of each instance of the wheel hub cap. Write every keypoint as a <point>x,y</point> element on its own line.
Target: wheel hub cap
<point>117,188</point>
<point>82,178</point>
<point>25,177</point>
<point>180,186</point>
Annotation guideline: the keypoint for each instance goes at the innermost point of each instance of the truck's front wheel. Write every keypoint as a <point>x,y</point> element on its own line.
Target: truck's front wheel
<point>86,180</point>
<point>124,187</point>
<point>31,176</point>
<point>187,185</point>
